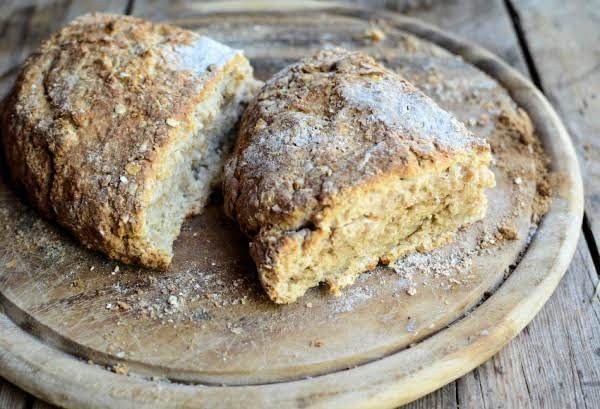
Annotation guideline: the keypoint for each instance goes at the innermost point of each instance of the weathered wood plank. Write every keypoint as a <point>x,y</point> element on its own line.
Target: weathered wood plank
<point>564,43</point>
<point>567,331</point>
<point>12,397</point>
<point>499,380</point>
<point>25,24</point>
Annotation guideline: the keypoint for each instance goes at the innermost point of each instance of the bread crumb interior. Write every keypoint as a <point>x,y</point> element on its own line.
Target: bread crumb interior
<point>380,223</point>
<point>193,162</point>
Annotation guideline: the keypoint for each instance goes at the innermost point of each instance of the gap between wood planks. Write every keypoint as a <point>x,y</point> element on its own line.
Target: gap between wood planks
<point>129,8</point>
<point>535,77</point>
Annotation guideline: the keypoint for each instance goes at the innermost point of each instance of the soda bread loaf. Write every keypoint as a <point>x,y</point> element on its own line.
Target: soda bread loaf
<point>341,164</point>
<point>114,129</point>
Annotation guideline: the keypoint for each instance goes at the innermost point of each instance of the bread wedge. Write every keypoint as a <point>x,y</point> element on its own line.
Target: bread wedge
<point>342,164</point>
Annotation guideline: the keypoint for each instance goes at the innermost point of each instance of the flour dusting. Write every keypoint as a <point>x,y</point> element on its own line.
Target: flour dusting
<point>402,107</point>
<point>201,55</point>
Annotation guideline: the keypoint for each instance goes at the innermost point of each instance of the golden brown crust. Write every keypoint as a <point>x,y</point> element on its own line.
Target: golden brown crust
<point>91,113</point>
<point>326,125</point>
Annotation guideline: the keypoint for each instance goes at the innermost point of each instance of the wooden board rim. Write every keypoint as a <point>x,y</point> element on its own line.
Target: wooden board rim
<point>396,379</point>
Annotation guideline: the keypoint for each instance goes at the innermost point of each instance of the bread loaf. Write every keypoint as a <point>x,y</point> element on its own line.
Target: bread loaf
<point>342,164</point>
<point>115,128</point>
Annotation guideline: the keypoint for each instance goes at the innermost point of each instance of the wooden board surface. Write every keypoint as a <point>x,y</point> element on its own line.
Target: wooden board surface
<point>464,118</point>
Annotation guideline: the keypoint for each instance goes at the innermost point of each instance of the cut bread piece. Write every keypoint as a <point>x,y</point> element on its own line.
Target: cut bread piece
<point>116,128</point>
<point>342,164</point>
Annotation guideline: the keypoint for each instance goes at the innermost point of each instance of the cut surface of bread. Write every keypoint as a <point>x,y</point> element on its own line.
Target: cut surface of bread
<point>191,164</point>
<point>342,164</point>
<point>116,128</point>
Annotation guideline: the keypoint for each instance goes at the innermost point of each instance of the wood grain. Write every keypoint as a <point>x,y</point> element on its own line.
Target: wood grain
<point>564,42</point>
<point>39,404</point>
<point>522,375</point>
<point>566,331</point>
<point>12,397</point>
<point>553,362</point>
<point>443,398</point>
<point>483,22</point>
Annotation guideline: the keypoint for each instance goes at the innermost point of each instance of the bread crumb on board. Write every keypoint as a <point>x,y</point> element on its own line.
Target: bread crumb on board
<point>316,343</point>
<point>508,232</point>
<point>375,34</point>
<point>120,369</point>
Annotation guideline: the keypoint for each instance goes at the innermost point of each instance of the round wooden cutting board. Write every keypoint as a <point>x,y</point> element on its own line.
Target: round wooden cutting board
<point>81,331</point>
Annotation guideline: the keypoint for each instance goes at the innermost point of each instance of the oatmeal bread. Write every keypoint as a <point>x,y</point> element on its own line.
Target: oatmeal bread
<point>342,164</point>
<point>114,129</point>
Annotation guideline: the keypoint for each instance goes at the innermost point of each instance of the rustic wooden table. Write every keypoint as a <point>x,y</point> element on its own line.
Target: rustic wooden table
<point>555,361</point>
